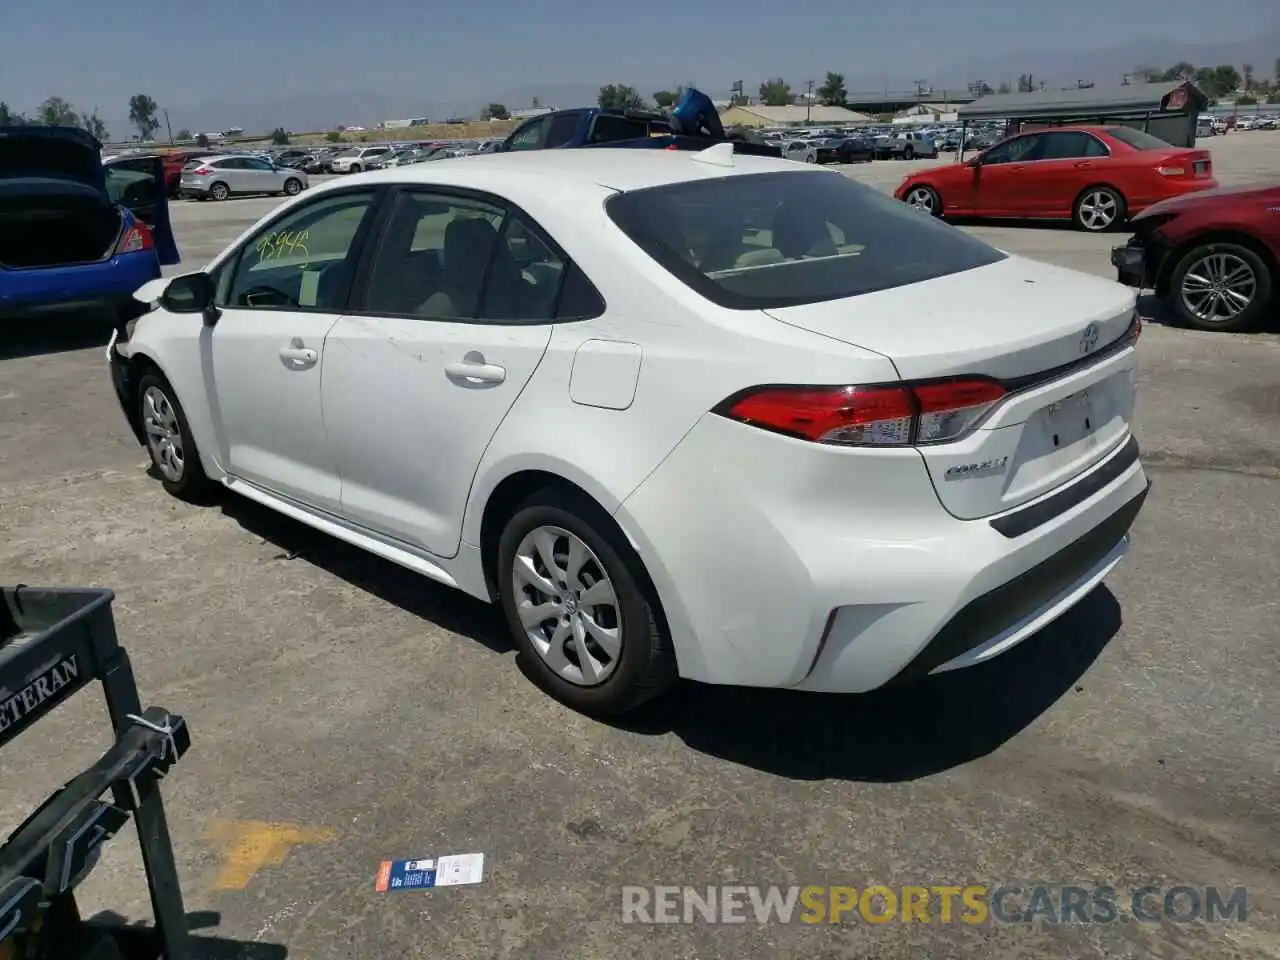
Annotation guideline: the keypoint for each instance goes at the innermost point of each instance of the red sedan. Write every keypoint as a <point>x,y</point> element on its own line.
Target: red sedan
<point>1215,257</point>
<point>1096,177</point>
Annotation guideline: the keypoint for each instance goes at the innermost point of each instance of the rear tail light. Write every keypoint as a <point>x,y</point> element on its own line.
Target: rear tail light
<point>896,415</point>
<point>137,237</point>
<point>1172,171</point>
<point>202,171</point>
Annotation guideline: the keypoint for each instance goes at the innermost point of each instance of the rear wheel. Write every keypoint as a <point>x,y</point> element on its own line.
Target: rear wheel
<point>219,191</point>
<point>169,442</point>
<point>579,606</point>
<point>1221,286</point>
<point>292,187</point>
<point>1099,209</point>
<point>908,153</point>
<point>925,199</point>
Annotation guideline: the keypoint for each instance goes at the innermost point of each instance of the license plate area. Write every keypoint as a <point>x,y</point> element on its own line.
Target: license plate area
<point>1200,168</point>
<point>1068,436</point>
<point>1070,420</point>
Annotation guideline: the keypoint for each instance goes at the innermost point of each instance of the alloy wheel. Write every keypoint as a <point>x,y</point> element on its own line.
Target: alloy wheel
<point>1218,287</point>
<point>164,436</point>
<point>921,198</point>
<point>567,605</point>
<point>1098,210</point>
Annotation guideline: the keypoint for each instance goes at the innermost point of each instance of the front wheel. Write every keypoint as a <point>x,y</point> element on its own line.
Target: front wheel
<point>925,199</point>
<point>1099,209</point>
<point>580,608</point>
<point>354,168</point>
<point>169,442</point>
<point>1221,286</point>
<point>292,187</point>
<point>908,154</point>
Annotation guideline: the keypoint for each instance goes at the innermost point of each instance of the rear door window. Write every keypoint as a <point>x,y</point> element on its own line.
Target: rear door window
<point>1138,139</point>
<point>758,241</point>
<point>563,130</point>
<point>610,128</point>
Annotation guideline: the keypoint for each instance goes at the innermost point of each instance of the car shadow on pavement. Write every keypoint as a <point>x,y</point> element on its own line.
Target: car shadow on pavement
<point>444,606</point>
<point>895,735</point>
<point>33,338</point>
<point>135,939</point>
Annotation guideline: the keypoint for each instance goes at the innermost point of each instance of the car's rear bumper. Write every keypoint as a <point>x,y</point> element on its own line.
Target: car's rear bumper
<point>83,288</point>
<point>772,573</point>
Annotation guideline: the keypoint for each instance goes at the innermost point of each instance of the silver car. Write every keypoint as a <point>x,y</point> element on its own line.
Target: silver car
<point>222,177</point>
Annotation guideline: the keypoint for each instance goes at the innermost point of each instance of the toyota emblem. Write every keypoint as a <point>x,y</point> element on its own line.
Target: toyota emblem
<point>1089,339</point>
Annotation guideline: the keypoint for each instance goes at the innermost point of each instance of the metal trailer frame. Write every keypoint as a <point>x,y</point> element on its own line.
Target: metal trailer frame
<point>54,643</point>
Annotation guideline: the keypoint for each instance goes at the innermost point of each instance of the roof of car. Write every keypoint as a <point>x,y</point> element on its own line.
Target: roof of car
<point>622,169</point>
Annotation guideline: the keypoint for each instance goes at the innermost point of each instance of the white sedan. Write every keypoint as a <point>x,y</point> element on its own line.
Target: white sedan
<point>682,414</point>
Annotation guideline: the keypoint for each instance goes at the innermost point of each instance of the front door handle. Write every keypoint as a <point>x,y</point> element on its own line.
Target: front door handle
<point>473,368</point>
<point>1085,163</point>
<point>298,357</point>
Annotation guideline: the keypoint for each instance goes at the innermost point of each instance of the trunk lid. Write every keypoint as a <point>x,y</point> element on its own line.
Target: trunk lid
<point>60,154</point>
<point>1054,337</point>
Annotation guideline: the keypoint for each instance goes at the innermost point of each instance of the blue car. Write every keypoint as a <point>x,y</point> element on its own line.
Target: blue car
<point>76,235</point>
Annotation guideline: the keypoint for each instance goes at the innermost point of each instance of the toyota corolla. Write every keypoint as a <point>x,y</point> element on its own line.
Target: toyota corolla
<point>681,414</point>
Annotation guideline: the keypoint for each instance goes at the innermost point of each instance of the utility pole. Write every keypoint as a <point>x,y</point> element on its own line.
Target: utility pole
<point>919,90</point>
<point>167,127</point>
<point>808,103</point>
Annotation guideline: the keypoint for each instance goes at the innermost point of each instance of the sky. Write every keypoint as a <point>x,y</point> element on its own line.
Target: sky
<point>300,63</point>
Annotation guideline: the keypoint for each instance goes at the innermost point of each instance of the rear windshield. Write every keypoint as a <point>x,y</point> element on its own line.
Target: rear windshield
<point>756,241</point>
<point>1137,139</point>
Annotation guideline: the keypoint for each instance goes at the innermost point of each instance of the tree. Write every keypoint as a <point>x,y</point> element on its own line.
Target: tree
<point>832,91</point>
<point>1247,70</point>
<point>56,112</point>
<point>1026,83</point>
<point>8,118</point>
<point>202,141</point>
<point>618,96</point>
<point>497,111</point>
<point>739,100</point>
<point>142,114</point>
<point>1179,71</point>
<point>92,123</point>
<point>280,137</point>
<point>1147,74</point>
<point>776,93</point>
<point>666,99</point>
<point>1218,81</point>
<point>184,134</point>
<point>1005,87</point>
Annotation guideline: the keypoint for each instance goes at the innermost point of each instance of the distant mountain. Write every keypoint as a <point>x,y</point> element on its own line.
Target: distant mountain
<point>321,108</point>
<point>1107,66</point>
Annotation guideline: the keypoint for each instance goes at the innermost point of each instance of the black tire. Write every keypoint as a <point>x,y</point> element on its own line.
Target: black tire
<point>908,153</point>
<point>646,665</point>
<point>1263,289</point>
<point>1078,216</point>
<point>935,201</point>
<point>292,187</point>
<point>219,191</point>
<point>354,168</point>
<point>193,485</point>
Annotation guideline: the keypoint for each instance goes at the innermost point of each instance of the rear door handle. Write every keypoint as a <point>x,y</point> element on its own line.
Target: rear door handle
<point>299,356</point>
<point>474,369</point>
<point>1085,163</point>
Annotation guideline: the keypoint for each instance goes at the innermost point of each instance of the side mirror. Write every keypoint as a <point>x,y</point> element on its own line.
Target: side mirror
<point>189,293</point>
<point>974,162</point>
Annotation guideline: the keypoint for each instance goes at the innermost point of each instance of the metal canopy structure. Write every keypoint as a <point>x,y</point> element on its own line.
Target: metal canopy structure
<point>1134,101</point>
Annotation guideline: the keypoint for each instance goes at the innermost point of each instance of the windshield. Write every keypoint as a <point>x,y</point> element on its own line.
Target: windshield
<point>1137,138</point>
<point>757,241</point>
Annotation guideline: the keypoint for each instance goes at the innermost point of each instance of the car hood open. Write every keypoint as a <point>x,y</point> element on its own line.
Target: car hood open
<point>65,156</point>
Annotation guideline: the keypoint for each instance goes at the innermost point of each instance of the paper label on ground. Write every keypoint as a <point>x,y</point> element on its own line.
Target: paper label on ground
<point>451,871</point>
